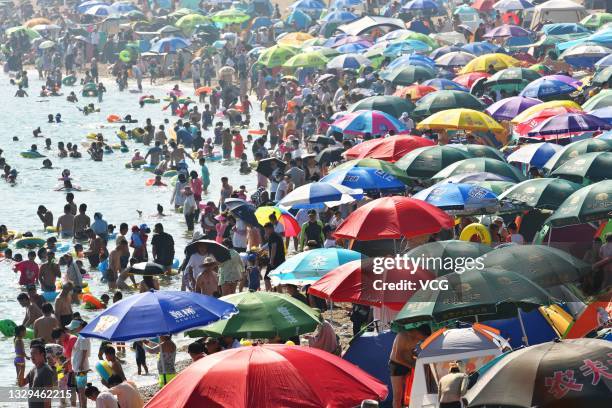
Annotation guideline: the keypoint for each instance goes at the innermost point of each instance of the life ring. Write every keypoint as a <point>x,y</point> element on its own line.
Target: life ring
<point>15,234</point>
<point>69,80</point>
<point>170,173</point>
<point>51,229</point>
<point>112,118</point>
<point>50,296</point>
<point>149,167</point>
<point>29,242</point>
<point>7,327</point>
<point>122,135</point>
<point>476,232</point>
<point>104,369</point>
<point>91,302</point>
<point>256,132</point>
<point>31,154</point>
<point>150,100</point>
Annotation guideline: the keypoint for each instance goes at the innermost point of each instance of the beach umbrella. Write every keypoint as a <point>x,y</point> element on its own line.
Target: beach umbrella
<point>169,44</point>
<point>298,19</point>
<point>83,7</point>
<point>291,228</point>
<point>508,108</point>
<point>454,59</point>
<point>219,251</point>
<point>155,313</point>
<point>339,16</point>
<point>476,293</point>
<point>316,195</point>
<point>535,154</point>
<point>570,123</point>
<point>381,165</point>
<point>168,29</point>
<point>601,100</point>
<point>147,269</point>
<point>506,5</point>
<point>352,48</point>
<point>230,16</point>
<point>479,164</point>
<point>450,38</point>
<point>511,79</point>
<point>420,5</point>
<point>349,61</point>
<point>590,203</point>
<point>540,69</point>
<point>443,84</point>
<point>308,266</point>
<point>546,89</point>
<point>477,150</point>
<point>533,111</point>
<point>36,21</point>
<point>32,35</point>
<point>461,118</point>
<point>311,59</point>
<point>481,48</point>
<point>367,121</point>
<point>309,5</point>
<point>304,377</point>
<point>585,55</point>
<point>344,39</point>
<point>366,178</point>
<point>190,21</point>
<point>99,10</point>
<point>578,148</point>
<point>483,5</point>
<point>276,55</point>
<point>263,315</point>
<point>590,166</point>
<point>603,113</point>
<point>412,35</point>
<point>447,251</point>
<point>269,165</point>
<point>507,30</point>
<point>412,59</point>
<point>389,104</point>
<point>426,161</point>
<point>467,80</point>
<point>496,186</point>
<point>332,154</point>
<point>540,193</point>
<point>459,198</point>
<point>414,92</point>
<point>242,210</point>
<point>439,52</point>
<point>604,75</point>
<point>483,62</point>
<point>593,21</point>
<point>295,39</point>
<point>356,282</point>
<point>407,75</point>
<point>561,373</point>
<point>393,218</point>
<point>261,21</point>
<point>123,7</point>
<point>46,27</point>
<point>399,47</point>
<point>443,100</point>
<point>46,44</point>
<point>390,149</point>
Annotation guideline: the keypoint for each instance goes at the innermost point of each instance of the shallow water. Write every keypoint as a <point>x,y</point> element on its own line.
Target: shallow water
<point>113,190</point>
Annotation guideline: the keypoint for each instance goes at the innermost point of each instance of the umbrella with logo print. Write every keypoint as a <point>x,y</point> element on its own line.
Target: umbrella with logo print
<point>309,266</point>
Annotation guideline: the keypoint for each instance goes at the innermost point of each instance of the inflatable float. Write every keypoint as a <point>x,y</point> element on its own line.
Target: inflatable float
<point>112,118</point>
<point>91,302</point>
<point>136,164</point>
<point>70,80</point>
<point>7,328</point>
<point>476,233</point>
<point>104,369</point>
<point>90,90</point>
<point>29,242</point>
<point>170,173</point>
<point>31,154</point>
<point>256,132</point>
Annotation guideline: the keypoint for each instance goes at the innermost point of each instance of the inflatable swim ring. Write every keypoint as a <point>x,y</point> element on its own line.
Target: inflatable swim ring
<point>150,183</point>
<point>7,328</point>
<point>31,154</point>
<point>476,232</point>
<point>112,118</point>
<point>15,234</point>
<point>50,296</point>
<point>91,302</point>
<point>51,229</point>
<point>256,132</point>
<point>69,80</point>
<point>29,242</point>
<point>149,167</point>
<point>151,100</point>
<point>116,146</point>
<point>124,149</point>
<point>104,369</point>
<point>122,135</point>
<point>170,173</point>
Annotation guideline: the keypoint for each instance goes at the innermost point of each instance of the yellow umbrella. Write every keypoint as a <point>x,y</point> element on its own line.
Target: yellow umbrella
<point>36,21</point>
<point>527,113</point>
<point>481,64</point>
<point>465,119</point>
<point>295,39</point>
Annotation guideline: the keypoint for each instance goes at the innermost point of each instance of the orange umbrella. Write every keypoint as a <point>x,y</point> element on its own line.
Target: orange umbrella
<point>36,21</point>
<point>414,91</point>
<point>468,80</point>
<point>203,89</point>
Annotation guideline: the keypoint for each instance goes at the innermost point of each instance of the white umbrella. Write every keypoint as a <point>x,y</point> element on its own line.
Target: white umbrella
<point>46,44</point>
<point>535,154</point>
<point>450,38</point>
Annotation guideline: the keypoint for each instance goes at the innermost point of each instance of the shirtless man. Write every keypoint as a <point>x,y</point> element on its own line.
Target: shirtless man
<point>49,272</point>
<point>45,216</point>
<point>63,304</point>
<point>32,311</point>
<point>178,153</point>
<point>402,359</point>
<point>114,262</point>
<point>81,223</point>
<point>71,203</point>
<point>97,248</point>
<point>65,223</point>
<point>43,326</point>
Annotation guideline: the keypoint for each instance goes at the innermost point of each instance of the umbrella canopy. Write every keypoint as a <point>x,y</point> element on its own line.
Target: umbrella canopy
<point>382,165</point>
<point>480,48</point>
<point>99,10</point>
<point>564,373</point>
<point>147,269</point>
<point>349,61</point>
<point>217,250</point>
<point>532,111</point>
<point>36,21</point>
<point>276,55</point>
<point>230,16</point>
<point>483,5</point>
<point>447,251</point>
<point>304,377</point>
<point>570,123</point>
<point>467,80</point>
<point>483,293</point>
<point>291,228</point>
<point>243,210</point>
<point>578,148</point>
<point>263,315</point>
<point>535,154</point>
<point>445,100</point>
<point>356,282</point>
<point>332,154</point>
<point>339,16</point>
<point>585,55</point>
<point>46,44</point>
<point>590,203</point>
<point>83,7</point>
<point>482,63</point>
<point>269,165</point>
<point>366,178</point>
<point>189,22</point>
<point>316,195</point>
<point>311,59</point>
<point>479,164</point>
<point>309,266</point>
<point>155,313</point>
<point>28,31</point>
<point>309,5</point>
<point>540,193</point>
<point>414,92</point>
<point>596,20</point>
<point>420,5</point>
<point>459,198</point>
<point>591,166</point>
<point>506,5</point>
<point>601,100</point>
<point>604,75</point>
<point>298,20</point>
<point>465,119</point>
<point>508,108</point>
<point>507,30</point>
<point>390,104</point>
<point>424,162</point>
<point>511,79</point>
<point>412,59</point>
<point>295,39</point>
<point>367,121</point>
<point>407,75</point>
<point>393,218</point>
<point>546,89</point>
<point>389,149</point>
<point>399,47</point>
<point>544,265</point>
<point>169,44</point>
<point>454,59</point>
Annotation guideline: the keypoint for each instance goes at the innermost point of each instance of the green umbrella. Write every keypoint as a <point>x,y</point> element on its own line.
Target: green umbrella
<point>541,69</point>
<point>441,100</point>
<point>596,20</point>
<point>511,79</point>
<point>407,75</point>
<point>588,204</point>
<point>382,165</point>
<point>442,257</point>
<point>264,315</point>
<point>327,52</point>
<point>577,148</point>
<point>476,150</point>
<point>603,76</point>
<point>480,164</point>
<point>311,59</point>
<point>586,168</point>
<point>495,186</point>
<point>230,16</point>
<point>276,55</point>
<point>420,37</point>
<point>544,265</point>
<point>180,13</point>
<point>485,294</point>
<point>393,105</point>
<point>541,193</point>
<point>29,32</point>
<point>601,100</point>
<point>424,162</point>
<point>190,21</point>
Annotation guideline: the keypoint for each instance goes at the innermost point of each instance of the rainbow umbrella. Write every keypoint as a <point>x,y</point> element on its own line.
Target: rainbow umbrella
<point>368,121</point>
<point>464,119</point>
<point>291,228</point>
<point>482,63</point>
<point>533,110</point>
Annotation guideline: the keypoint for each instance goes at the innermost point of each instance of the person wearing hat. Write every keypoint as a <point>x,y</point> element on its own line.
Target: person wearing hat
<point>451,387</point>
<point>312,230</point>
<point>80,358</point>
<point>208,281</point>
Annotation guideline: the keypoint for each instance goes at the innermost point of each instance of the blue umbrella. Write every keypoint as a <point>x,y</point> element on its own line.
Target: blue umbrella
<point>481,48</point>
<point>309,5</point>
<point>342,4</point>
<point>299,19</point>
<point>438,52</point>
<point>535,155</point>
<point>444,84</point>
<point>261,21</point>
<point>459,197</point>
<point>506,5</point>
<point>352,48</point>
<point>604,62</point>
<point>564,29</point>
<point>544,88</point>
<point>405,47</point>
<point>83,7</point>
<point>366,178</point>
<point>170,44</point>
<point>373,122</point>
<point>155,313</point>
<point>349,61</point>
<point>339,16</point>
<point>418,27</point>
<point>420,5</point>
<point>309,266</point>
<point>122,7</point>
<point>315,195</point>
<point>99,10</point>
<point>412,59</point>
<point>604,113</point>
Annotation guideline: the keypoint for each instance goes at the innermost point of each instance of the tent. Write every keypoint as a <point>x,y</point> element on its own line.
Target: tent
<point>473,347</point>
<point>366,23</point>
<point>559,11</point>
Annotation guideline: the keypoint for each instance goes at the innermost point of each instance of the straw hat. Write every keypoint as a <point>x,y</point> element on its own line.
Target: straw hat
<point>209,260</point>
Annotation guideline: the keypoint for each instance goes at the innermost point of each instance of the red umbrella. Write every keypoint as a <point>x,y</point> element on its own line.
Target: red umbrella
<point>390,149</point>
<point>393,218</point>
<point>483,5</point>
<point>468,80</point>
<point>414,91</point>
<point>360,282</point>
<point>270,376</point>
<point>534,120</point>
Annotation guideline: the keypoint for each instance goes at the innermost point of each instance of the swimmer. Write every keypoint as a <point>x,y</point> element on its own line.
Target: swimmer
<point>50,118</point>
<point>72,97</point>
<point>21,92</point>
<point>58,118</point>
<point>61,150</point>
<point>37,132</point>
<point>44,92</point>
<point>158,182</point>
<point>74,153</point>
<point>160,211</point>
<point>48,144</point>
<point>47,164</point>
<point>34,148</point>
<point>137,157</point>
<point>15,139</point>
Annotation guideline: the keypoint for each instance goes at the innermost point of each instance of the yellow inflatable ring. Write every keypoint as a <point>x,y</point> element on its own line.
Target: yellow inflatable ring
<point>477,231</point>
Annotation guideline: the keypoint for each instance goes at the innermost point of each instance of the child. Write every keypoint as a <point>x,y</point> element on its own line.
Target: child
<point>20,355</point>
<point>207,117</point>
<point>218,132</point>
<point>158,181</point>
<point>137,157</point>
<point>245,168</point>
<point>141,357</point>
<point>253,272</point>
<point>105,299</point>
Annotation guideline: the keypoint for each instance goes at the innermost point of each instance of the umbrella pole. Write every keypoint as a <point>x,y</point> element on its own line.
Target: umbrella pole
<point>520,317</point>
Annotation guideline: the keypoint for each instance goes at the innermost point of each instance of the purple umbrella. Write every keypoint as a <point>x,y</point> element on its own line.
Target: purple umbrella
<point>508,108</point>
<point>570,123</point>
<point>507,30</point>
<point>565,79</point>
